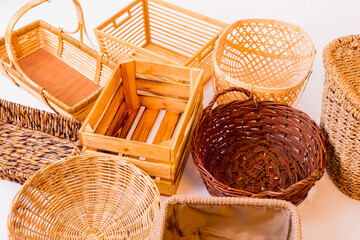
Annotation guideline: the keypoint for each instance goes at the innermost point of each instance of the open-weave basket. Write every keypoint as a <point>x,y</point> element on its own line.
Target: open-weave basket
<point>215,218</point>
<point>340,114</point>
<point>31,138</point>
<point>85,197</point>
<point>273,59</point>
<point>258,149</point>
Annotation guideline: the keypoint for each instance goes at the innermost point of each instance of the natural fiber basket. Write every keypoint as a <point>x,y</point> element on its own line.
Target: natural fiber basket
<point>54,67</point>
<point>340,114</point>
<point>85,197</point>
<point>212,218</point>
<point>272,59</point>
<point>31,138</point>
<point>258,149</point>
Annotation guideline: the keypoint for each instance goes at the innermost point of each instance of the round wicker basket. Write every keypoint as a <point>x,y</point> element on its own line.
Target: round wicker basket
<point>85,197</point>
<point>273,59</point>
<point>258,149</point>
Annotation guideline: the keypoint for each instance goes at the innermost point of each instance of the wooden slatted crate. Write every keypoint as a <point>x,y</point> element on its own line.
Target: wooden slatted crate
<point>146,115</point>
<point>159,31</point>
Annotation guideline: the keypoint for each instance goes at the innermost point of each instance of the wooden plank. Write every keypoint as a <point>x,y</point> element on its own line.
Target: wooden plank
<point>117,119</point>
<point>167,127</point>
<point>164,89</point>
<point>123,129</point>
<point>145,125</point>
<point>177,73</point>
<point>160,102</point>
<point>110,112</point>
<point>128,76</point>
<point>125,146</point>
<point>103,99</point>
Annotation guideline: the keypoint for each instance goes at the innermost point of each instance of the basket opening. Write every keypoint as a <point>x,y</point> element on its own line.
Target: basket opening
<point>187,220</point>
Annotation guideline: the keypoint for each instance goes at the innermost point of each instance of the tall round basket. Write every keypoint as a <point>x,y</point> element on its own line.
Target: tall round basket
<point>85,197</point>
<point>273,59</point>
<point>258,149</point>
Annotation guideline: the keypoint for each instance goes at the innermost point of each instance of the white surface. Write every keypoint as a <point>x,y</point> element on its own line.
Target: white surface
<point>326,213</point>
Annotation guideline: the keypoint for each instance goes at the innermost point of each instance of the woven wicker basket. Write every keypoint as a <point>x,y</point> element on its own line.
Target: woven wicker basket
<point>210,218</point>
<point>31,138</point>
<point>272,59</point>
<point>85,197</point>
<point>340,115</point>
<point>54,67</point>
<point>258,149</point>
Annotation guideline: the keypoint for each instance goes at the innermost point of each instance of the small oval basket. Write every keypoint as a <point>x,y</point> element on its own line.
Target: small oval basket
<point>273,59</point>
<point>258,149</point>
<point>85,197</point>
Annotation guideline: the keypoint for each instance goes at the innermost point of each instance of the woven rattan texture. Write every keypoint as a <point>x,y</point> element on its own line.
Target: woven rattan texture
<point>85,197</point>
<point>225,201</point>
<point>273,59</point>
<point>258,149</point>
<point>31,138</point>
<point>340,115</point>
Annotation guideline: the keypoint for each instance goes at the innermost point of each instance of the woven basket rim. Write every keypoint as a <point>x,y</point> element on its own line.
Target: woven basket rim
<point>341,87</point>
<point>238,83</point>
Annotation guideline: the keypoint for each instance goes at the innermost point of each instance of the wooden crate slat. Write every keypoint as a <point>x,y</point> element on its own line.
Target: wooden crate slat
<point>167,127</point>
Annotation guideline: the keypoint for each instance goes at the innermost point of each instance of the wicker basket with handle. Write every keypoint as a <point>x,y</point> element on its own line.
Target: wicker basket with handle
<point>30,139</point>
<point>340,113</point>
<point>185,217</point>
<point>85,197</point>
<point>273,59</point>
<point>258,149</point>
<point>56,68</point>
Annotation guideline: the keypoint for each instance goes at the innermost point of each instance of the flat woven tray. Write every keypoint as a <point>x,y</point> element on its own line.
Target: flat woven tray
<point>31,138</point>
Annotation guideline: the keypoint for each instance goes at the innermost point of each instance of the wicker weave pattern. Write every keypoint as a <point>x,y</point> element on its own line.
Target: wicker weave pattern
<point>223,201</point>
<point>31,139</point>
<point>258,149</point>
<point>271,58</point>
<point>85,197</point>
<point>340,116</point>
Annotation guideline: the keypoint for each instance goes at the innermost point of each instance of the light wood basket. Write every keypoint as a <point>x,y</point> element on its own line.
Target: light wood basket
<point>158,31</point>
<point>146,115</point>
<point>273,59</point>
<point>85,197</point>
<point>22,54</point>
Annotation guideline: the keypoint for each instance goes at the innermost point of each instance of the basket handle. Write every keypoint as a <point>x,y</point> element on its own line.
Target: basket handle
<point>9,34</point>
<point>248,94</point>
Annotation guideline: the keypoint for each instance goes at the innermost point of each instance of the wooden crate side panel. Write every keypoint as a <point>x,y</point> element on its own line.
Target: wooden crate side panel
<point>173,28</point>
<point>160,102</point>
<point>125,146</point>
<point>165,89</point>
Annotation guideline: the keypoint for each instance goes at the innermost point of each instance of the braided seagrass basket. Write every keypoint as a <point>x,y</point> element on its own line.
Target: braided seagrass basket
<point>340,114</point>
<point>183,217</point>
<point>272,59</point>
<point>85,197</point>
<point>31,138</point>
<point>258,149</point>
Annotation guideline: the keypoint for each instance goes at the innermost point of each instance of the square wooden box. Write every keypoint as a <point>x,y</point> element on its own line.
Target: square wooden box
<point>146,115</point>
<point>158,31</point>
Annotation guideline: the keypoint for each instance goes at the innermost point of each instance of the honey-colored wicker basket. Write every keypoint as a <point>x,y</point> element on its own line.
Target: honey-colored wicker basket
<point>210,218</point>
<point>273,59</point>
<point>158,31</point>
<point>258,149</point>
<point>54,67</point>
<point>30,139</point>
<point>85,197</point>
<point>340,113</point>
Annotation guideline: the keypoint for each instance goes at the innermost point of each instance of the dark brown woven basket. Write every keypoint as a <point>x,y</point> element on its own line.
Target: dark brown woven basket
<point>258,149</point>
<point>31,138</point>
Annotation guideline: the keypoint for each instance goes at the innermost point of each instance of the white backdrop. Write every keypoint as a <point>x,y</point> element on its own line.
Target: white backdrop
<point>326,213</point>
